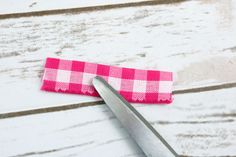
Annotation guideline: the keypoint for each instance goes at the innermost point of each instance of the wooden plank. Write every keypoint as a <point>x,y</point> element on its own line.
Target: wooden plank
<point>41,7</point>
<point>197,47</point>
<point>199,124</point>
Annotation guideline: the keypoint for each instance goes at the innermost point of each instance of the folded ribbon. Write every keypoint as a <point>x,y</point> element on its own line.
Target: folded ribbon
<point>135,85</point>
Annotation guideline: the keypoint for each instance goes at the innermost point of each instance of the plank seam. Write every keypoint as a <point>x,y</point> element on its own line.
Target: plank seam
<point>95,103</point>
<point>87,9</point>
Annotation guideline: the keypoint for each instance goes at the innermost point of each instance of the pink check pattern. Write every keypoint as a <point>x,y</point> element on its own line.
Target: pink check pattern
<point>135,85</point>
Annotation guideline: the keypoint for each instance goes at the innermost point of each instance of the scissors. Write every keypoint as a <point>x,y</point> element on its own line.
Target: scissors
<point>141,131</point>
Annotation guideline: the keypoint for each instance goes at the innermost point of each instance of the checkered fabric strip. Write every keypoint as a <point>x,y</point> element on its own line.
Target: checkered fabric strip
<point>135,85</point>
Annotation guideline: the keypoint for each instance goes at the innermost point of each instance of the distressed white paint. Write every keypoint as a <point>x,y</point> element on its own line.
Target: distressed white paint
<point>192,126</point>
<point>8,7</point>
<point>194,39</point>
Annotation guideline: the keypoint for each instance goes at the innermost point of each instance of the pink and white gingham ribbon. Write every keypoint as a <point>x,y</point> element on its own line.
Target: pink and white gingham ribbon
<point>135,85</point>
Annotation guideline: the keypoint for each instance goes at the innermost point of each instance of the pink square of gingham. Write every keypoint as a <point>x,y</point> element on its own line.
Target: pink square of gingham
<point>135,85</point>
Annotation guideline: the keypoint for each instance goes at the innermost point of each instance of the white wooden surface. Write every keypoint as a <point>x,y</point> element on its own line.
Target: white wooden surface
<point>7,6</point>
<point>195,39</point>
<point>200,124</point>
<point>199,48</point>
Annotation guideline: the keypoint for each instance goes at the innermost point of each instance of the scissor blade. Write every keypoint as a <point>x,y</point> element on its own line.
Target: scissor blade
<point>147,138</point>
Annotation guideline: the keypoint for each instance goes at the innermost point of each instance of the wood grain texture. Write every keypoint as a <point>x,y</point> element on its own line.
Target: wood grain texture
<point>43,7</point>
<point>194,39</point>
<point>199,48</point>
<point>200,124</point>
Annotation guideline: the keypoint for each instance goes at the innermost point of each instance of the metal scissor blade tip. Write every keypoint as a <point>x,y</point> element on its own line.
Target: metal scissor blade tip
<point>97,81</point>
